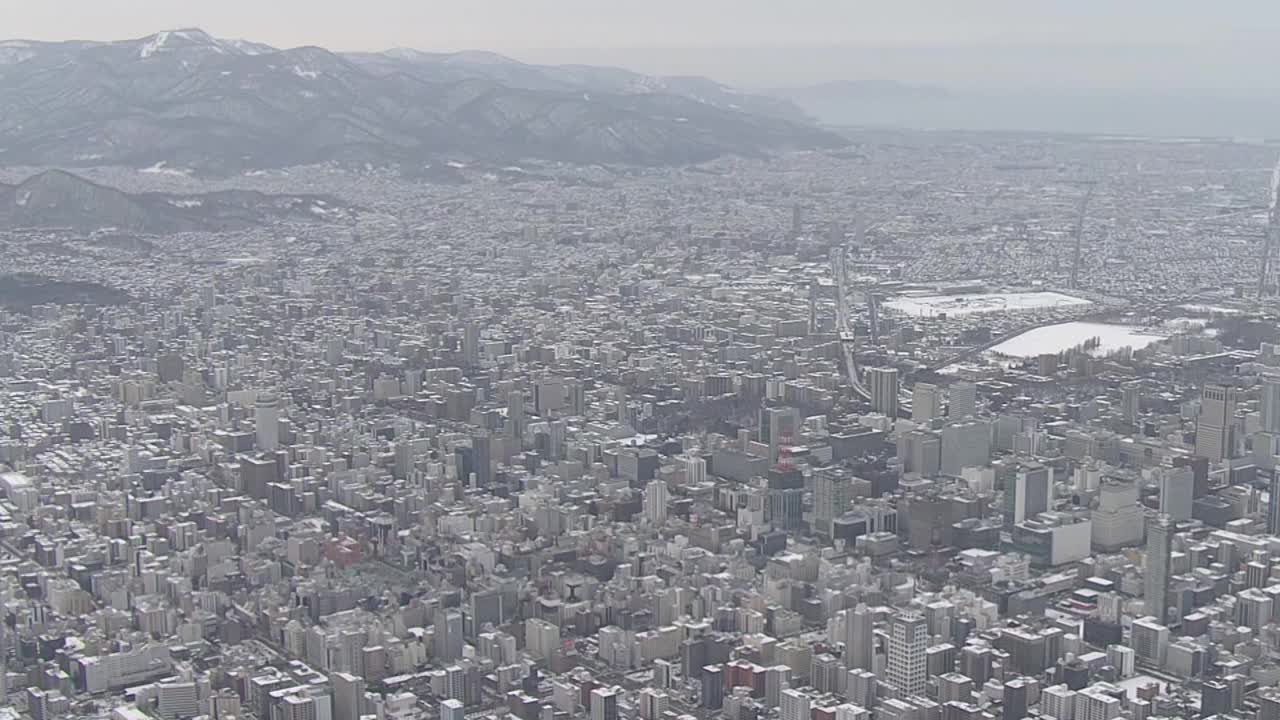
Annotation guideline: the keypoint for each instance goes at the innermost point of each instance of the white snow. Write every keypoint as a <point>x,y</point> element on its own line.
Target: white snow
<point>953,305</point>
<point>154,45</point>
<point>244,46</point>
<point>187,203</point>
<point>308,74</point>
<point>161,168</point>
<point>1064,336</point>
<point>24,198</point>
<point>455,164</point>
<point>586,96</point>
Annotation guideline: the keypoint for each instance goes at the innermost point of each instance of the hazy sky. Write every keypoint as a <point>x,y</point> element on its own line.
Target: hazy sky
<point>997,43</point>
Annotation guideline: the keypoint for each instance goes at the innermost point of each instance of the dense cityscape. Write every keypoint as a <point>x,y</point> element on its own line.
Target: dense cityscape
<point>929,426</point>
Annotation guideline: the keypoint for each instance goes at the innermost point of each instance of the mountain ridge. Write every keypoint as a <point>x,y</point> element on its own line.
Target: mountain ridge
<point>216,106</point>
<point>61,199</point>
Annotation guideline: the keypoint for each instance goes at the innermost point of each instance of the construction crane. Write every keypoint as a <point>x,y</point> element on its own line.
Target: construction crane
<point>1079,231</point>
<point>1273,230</point>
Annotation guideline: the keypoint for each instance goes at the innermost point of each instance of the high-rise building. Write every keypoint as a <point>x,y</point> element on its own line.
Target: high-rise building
<point>604,703</point>
<point>1131,402</point>
<point>832,493</point>
<point>695,469</point>
<point>795,705</point>
<point>908,641</point>
<point>1094,704</point>
<point>860,627</point>
<point>1150,640</point>
<point>541,638</point>
<point>1213,425</point>
<point>655,502</point>
<point>348,696</point>
<point>482,458</point>
<point>1156,573</point>
<point>1268,705</point>
<point>453,709</point>
<point>266,421</point>
<point>965,444</point>
<point>1058,701</point>
<point>926,402</point>
<point>1269,406</point>
<point>653,703</point>
<point>515,419</point>
<point>1177,492</point>
<point>447,642</point>
<point>1032,493</point>
<point>470,343</point>
<point>1118,519</point>
<point>1253,608</point>
<point>177,700</point>
<point>711,694</point>
<point>883,384</point>
<point>964,400</point>
<point>781,425</point>
<point>1015,698</point>
<point>1273,503</point>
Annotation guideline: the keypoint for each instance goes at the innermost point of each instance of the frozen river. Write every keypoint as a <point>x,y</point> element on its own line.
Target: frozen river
<point>1064,336</point>
<point>952,305</point>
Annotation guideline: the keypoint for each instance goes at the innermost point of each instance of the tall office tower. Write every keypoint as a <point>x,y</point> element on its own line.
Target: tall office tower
<point>695,469</point>
<point>266,421</point>
<point>1155,594</point>
<point>832,493</point>
<point>1015,698</point>
<point>1269,406</point>
<point>965,444</point>
<point>711,696</point>
<point>1032,493</point>
<point>1273,503</point>
<point>883,383</point>
<point>860,629</point>
<point>1150,640</point>
<point>482,458</point>
<point>908,641</point>
<point>604,703</point>
<point>964,400</point>
<point>1117,521</point>
<point>348,696</point>
<point>447,642</point>
<point>1177,492</point>
<point>1131,402</point>
<point>515,419</point>
<point>780,424</point>
<point>1213,425</point>
<point>795,705</point>
<point>926,402</point>
<point>177,700</point>
<point>470,343</point>
<point>655,502</point>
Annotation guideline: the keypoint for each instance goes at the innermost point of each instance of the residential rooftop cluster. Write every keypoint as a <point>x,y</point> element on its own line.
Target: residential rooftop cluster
<point>823,436</point>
